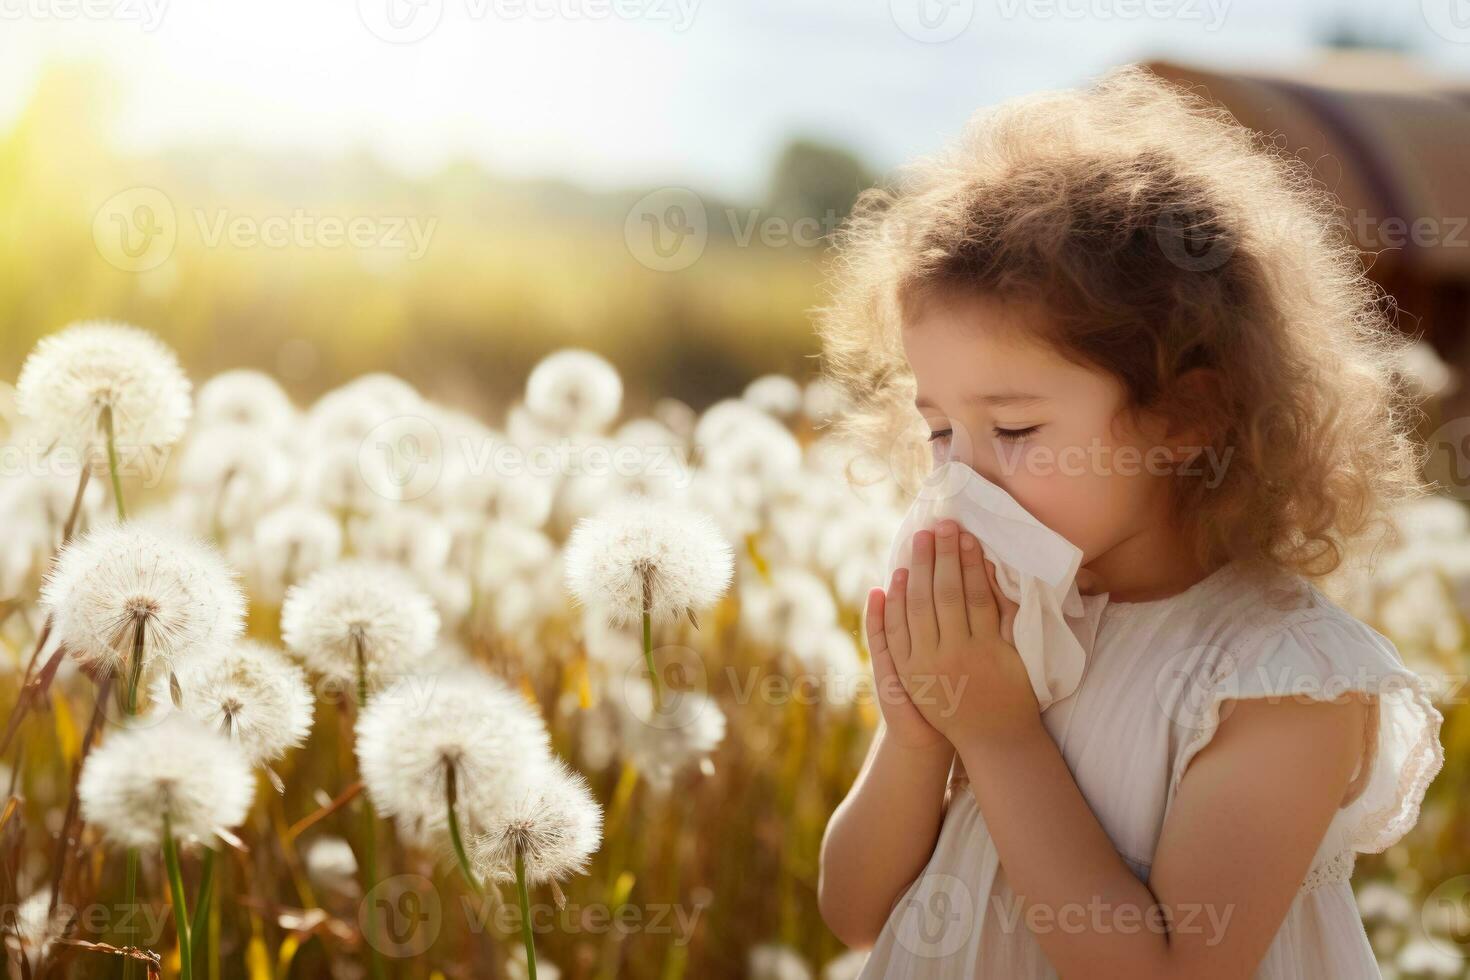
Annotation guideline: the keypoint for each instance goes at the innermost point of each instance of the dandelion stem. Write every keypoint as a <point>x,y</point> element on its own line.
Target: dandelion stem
<point>181,908</point>
<point>369,838</point>
<point>202,903</point>
<point>135,667</point>
<point>525,897</point>
<point>112,467</point>
<point>658,693</point>
<point>129,906</point>
<point>451,792</point>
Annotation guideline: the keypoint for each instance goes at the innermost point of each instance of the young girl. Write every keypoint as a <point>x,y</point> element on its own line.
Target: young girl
<point>1145,325</point>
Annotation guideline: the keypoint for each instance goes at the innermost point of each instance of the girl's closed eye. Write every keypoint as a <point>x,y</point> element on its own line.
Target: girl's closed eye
<point>941,437</point>
<point>1015,435</point>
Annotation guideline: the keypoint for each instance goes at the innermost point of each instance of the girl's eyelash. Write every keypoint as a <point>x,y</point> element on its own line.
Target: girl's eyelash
<point>1009,435</point>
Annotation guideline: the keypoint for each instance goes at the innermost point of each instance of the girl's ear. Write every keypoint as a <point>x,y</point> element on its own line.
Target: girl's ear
<point>1195,401</point>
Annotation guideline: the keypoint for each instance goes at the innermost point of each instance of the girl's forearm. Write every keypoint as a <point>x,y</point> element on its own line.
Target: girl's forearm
<point>1090,913</point>
<point>881,836</point>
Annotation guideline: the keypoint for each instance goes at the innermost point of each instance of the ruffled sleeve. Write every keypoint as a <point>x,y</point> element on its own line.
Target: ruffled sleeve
<point>1323,654</point>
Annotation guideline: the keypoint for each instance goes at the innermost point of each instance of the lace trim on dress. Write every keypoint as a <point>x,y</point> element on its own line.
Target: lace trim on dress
<point>1339,867</point>
<point>1424,762</point>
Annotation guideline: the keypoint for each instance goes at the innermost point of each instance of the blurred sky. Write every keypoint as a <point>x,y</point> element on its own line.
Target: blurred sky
<point>637,92</point>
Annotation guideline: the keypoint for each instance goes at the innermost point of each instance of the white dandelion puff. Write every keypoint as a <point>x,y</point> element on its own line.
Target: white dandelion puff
<point>247,398</point>
<point>338,475</point>
<point>574,391</point>
<point>646,561</point>
<point>413,733</point>
<point>769,961</point>
<point>846,966</point>
<point>140,586</point>
<point>793,602</point>
<point>407,535</point>
<point>663,740</point>
<point>762,451</point>
<point>289,544</point>
<point>359,621</point>
<point>516,969</point>
<point>350,413</point>
<point>37,925</point>
<point>249,692</point>
<point>725,420</point>
<point>330,863</point>
<point>176,769</point>
<point>77,383</point>
<point>639,556</point>
<point>550,821</point>
<point>234,473</point>
<point>775,394</point>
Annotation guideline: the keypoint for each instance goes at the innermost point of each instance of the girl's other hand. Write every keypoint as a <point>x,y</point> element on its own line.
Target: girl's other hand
<point>904,722</point>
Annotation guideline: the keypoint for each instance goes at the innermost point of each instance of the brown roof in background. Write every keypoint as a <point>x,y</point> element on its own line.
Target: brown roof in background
<point>1389,139</point>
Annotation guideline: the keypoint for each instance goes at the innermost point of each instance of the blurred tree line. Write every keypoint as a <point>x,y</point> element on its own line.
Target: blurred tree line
<point>510,269</point>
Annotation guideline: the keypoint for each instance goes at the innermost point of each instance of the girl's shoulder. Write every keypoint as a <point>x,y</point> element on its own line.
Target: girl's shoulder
<point>1276,635</point>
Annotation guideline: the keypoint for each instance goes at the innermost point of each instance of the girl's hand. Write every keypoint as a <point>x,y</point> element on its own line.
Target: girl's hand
<point>946,632</point>
<point>904,722</point>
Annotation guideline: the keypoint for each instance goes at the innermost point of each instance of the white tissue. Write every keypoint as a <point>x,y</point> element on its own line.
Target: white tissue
<point>1035,567</point>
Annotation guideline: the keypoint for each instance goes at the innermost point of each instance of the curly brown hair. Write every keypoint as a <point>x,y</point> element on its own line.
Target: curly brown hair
<point>1159,235</point>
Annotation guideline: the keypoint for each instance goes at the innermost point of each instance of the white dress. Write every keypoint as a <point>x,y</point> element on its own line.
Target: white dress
<point>1149,699</point>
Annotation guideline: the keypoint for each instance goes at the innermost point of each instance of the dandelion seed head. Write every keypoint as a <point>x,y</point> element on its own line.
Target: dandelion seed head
<point>248,691</point>
<point>509,551</point>
<point>774,394</point>
<point>121,577</point>
<point>36,926</point>
<point>289,544</point>
<point>412,731</point>
<point>847,966</point>
<point>725,420</point>
<point>330,863</point>
<point>516,969</point>
<point>340,477</point>
<point>174,767</point>
<point>550,818</point>
<point>639,554</point>
<point>359,610</point>
<point>661,742</point>
<point>405,535</point>
<point>769,961</point>
<point>73,376</point>
<point>574,391</point>
<point>246,398</point>
<point>233,473</point>
<point>762,450</point>
<point>349,413</point>
<point>793,601</point>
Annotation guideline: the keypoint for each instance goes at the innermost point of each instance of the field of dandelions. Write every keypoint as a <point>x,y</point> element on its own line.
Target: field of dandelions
<point>373,688</point>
